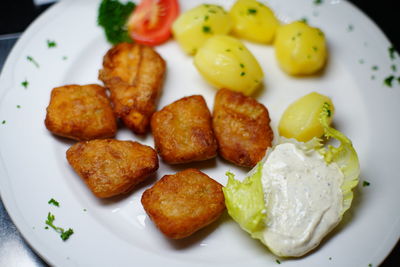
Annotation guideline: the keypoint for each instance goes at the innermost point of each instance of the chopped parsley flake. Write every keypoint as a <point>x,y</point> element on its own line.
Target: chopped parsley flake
<point>85,210</point>
<point>350,28</point>
<point>63,234</point>
<point>251,11</point>
<point>51,44</point>
<point>64,58</point>
<point>388,80</point>
<point>3,122</point>
<point>398,79</point>
<point>241,65</point>
<point>206,29</point>
<point>330,258</point>
<point>25,84</point>
<point>34,62</point>
<point>18,106</point>
<point>206,17</point>
<point>392,52</point>
<point>304,20</point>
<point>315,48</point>
<point>372,77</point>
<point>240,48</point>
<point>242,73</point>
<point>365,183</point>
<point>375,67</point>
<point>278,261</point>
<point>370,265</point>
<point>54,202</point>
<point>227,50</point>
<point>318,2</point>
<point>361,61</point>
<point>212,11</point>
<point>327,108</point>
<point>394,68</point>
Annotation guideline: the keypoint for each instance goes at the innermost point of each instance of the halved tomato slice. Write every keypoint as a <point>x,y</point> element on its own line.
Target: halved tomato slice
<point>151,21</point>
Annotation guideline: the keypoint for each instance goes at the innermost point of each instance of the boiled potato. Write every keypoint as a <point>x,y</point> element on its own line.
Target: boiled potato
<point>226,63</point>
<point>300,49</point>
<point>195,26</point>
<point>253,21</point>
<point>301,119</point>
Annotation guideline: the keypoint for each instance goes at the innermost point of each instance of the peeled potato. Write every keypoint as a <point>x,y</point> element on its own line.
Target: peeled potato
<point>253,21</point>
<point>300,49</point>
<point>301,119</point>
<point>226,63</point>
<point>192,28</point>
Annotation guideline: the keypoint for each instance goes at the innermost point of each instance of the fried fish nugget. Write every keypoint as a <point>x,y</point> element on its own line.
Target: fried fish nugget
<point>134,75</point>
<point>80,112</point>
<point>183,203</point>
<point>183,132</point>
<point>111,167</point>
<point>241,126</point>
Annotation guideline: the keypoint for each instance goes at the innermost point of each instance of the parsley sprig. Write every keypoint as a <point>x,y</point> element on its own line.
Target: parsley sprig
<point>54,202</point>
<point>112,16</point>
<point>63,234</point>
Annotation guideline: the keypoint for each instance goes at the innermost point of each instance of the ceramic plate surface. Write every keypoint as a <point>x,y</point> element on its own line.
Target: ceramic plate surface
<point>118,232</point>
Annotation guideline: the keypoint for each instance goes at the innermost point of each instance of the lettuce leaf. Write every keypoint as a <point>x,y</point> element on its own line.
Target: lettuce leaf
<point>344,156</point>
<point>245,200</point>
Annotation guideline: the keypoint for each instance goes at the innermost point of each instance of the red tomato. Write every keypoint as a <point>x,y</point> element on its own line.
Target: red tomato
<point>151,21</point>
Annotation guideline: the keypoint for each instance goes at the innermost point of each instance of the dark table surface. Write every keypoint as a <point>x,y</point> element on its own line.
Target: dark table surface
<point>20,13</point>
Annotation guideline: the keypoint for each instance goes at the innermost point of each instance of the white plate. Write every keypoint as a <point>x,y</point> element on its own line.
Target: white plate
<point>118,232</point>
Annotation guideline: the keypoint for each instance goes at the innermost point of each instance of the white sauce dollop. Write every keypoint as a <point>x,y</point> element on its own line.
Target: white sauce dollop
<point>303,199</point>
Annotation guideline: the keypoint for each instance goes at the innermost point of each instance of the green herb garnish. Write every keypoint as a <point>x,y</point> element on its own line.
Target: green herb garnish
<point>388,80</point>
<point>242,73</point>
<point>18,106</point>
<point>375,67</point>
<point>206,29</point>
<point>361,61</point>
<point>25,84</point>
<point>64,58</point>
<point>251,11</point>
<point>392,52</point>
<point>394,68</point>
<point>304,20</point>
<point>3,122</point>
<point>34,62</point>
<point>54,202</point>
<point>330,258</point>
<point>51,44</point>
<point>206,17</point>
<point>63,234</point>
<point>241,65</point>
<point>365,183</point>
<point>318,2</point>
<point>278,261</point>
<point>112,16</point>
<point>350,28</point>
